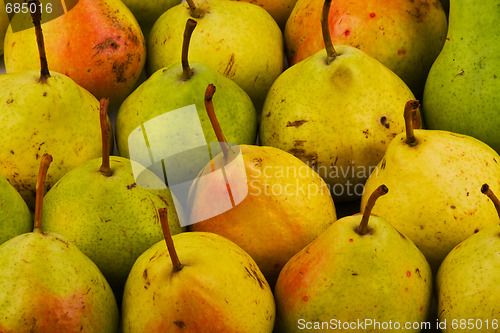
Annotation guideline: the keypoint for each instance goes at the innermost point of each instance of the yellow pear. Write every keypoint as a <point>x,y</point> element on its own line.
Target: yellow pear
<point>435,176</point>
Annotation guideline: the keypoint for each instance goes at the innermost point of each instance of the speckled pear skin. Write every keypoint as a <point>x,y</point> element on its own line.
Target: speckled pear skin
<point>219,289</point>
<point>461,91</point>
<point>355,102</point>
<point>15,216</point>
<point>468,282</point>
<point>435,198</point>
<point>165,91</point>
<point>47,285</point>
<point>4,23</point>
<point>111,219</point>
<point>345,276</point>
<point>249,50</point>
<point>58,117</point>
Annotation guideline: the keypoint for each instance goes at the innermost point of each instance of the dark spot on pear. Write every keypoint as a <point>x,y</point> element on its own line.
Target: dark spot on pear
<point>453,207</point>
<point>299,143</point>
<point>12,152</point>
<point>257,161</point>
<point>131,186</point>
<point>401,235</point>
<point>476,231</point>
<point>268,115</point>
<point>296,123</point>
<point>10,100</point>
<point>354,274</point>
<point>382,165</point>
<point>227,71</point>
<point>180,324</point>
<point>45,94</point>
<point>384,122</point>
<point>417,271</point>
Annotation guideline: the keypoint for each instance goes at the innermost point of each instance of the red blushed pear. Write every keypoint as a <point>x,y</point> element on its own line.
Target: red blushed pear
<point>48,285</point>
<point>262,198</point>
<point>406,36</point>
<point>196,282</point>
<point>360,268</point>
<point>98,43</point>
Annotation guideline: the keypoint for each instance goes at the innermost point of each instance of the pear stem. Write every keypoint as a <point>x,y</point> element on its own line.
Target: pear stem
<point>36,16</point>
<point>187,72</point>
<point>331,54</point>
<point>410,108</point>
<point>363,226</point>
<point>105,168</point>
<point>485,189</point>
<point>209,106</point>
<point>195,12</point>
<point>40,189</point>
<point>176,263</point>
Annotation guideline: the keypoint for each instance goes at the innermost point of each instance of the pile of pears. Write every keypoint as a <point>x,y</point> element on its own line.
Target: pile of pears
<point>249,166</point>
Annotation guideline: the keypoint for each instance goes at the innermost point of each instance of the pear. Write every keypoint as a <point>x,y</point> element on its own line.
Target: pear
<point>44,112</point>
<point>100,207</point>
<point>404,35</point>
<point>48,285</point>
<point>237,39</point>
<point>360,270</point>
<point>4,23</point>
<point>160,109</point>
<point>203,283</point>
<point>461,91</point>
<point>468,280</point>
<point>341,94</point>
<point>147,12</point>
<point>278,204</point>
<point>98,44</point>
<point>434,175</point>
<point>279,10</point>
<point>15,216</point>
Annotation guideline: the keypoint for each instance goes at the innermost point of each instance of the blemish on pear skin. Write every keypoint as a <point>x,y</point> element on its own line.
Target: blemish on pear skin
<point>180,324</point>
<point>408,273</point>
<point>347,32</point>
<point>351,240</point>
<point>372,15</point>
<point>305,298</point>
<point>131,186</point>
<point>10,101</point>
<point>296,123</point>
<point>401,52</point>
<point>384,122</point>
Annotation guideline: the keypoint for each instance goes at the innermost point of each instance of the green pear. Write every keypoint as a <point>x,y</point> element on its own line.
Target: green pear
<point>337,111</point>
<point>4,23</point>
<point>435,175</point>
<point>237,39</point>
<point>15,216</point>
<point>147,12</point>
<point>461,91</point>
<point>44,112</point>
<point>360,270</point>
<point>468,281</point>
<point>161,106</point>
<point>100,207</point>
<point>293,201</point>
<point>47,285</point>
<point>203,283</point>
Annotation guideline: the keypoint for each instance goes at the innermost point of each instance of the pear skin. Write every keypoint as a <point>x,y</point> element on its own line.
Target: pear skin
<point>406,36</point>
<point>279,10</point>
<point>4,23</point>
<point>98,44</point>
<point>354,101</point>
<point>461,91</point>
<point>293,203</point>
<point>219,289</point>
<point>435,200</point>
<point>111,219</point>
<point>30,111</point>
<point>343,276</point>
<point>147,12</point>
<point>248,49</point>
<point>467,282</point>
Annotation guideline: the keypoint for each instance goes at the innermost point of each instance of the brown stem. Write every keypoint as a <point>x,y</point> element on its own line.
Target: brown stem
<point>363,226</point>
<point>331,54</point>
<point>105,168</point>
<point>40,189</point>
<point>195,12</point>
<point>209,106</point>
<point>410,108</point>
<point>176,263</point>
<point>36,16</point>
<point>187,72</point>
<point>485,189</point>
